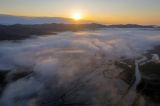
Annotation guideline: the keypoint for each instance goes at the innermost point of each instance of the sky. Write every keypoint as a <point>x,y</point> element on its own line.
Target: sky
<point>106,11</point>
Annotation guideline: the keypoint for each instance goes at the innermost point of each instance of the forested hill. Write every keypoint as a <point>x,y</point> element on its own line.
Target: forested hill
<point>18,31</point>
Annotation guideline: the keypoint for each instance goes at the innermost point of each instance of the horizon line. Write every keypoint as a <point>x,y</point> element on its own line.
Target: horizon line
<point>104,23</point>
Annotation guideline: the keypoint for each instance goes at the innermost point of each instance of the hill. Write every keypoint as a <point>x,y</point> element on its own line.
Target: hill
<point>19,31</point>
<point>11,19</point>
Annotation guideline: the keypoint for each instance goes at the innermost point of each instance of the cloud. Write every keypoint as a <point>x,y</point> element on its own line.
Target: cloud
<point>70,66</point>
<point>21,92</point>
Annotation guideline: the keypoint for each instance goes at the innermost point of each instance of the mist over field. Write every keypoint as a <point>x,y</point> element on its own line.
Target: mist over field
<point>79,53</point>
<point>69,67</point>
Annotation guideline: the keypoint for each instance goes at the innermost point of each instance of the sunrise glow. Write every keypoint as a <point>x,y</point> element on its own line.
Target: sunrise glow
<point>76,16</point>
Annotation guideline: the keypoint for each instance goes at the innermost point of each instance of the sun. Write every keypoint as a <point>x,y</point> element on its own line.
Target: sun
<point>76,16</point>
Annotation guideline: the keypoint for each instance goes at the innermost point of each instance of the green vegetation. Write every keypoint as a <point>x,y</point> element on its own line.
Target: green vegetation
<point>124,66</point>
<point>128,69</point>
<point>151,69</point>
<point>119,103</point>
<point>149,86</point>
<point>132,80</point>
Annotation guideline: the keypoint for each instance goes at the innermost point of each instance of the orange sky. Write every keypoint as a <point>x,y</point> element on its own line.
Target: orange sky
<point>105,11</point>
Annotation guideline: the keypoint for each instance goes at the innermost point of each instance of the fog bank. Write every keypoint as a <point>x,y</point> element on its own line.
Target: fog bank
<point>70,67</point>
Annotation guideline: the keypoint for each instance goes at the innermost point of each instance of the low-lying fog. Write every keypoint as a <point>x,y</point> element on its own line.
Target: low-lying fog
<point>67,67</point>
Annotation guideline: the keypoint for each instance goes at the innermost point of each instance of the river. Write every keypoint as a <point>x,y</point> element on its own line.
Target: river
<point>130,97</point>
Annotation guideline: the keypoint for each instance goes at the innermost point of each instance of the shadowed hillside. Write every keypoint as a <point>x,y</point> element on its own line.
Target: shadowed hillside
<point>18,31</point>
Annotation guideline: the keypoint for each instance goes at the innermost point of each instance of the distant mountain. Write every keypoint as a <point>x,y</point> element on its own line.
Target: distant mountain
<point>10,20</point>
<point>158,26</point>
<point>19,31</point>
<point>130,26</point>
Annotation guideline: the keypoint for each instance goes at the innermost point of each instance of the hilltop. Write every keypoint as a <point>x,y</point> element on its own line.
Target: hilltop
<point>19,31</point>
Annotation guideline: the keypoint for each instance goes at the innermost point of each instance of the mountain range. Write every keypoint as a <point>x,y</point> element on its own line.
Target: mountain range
<point>11,19</point>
